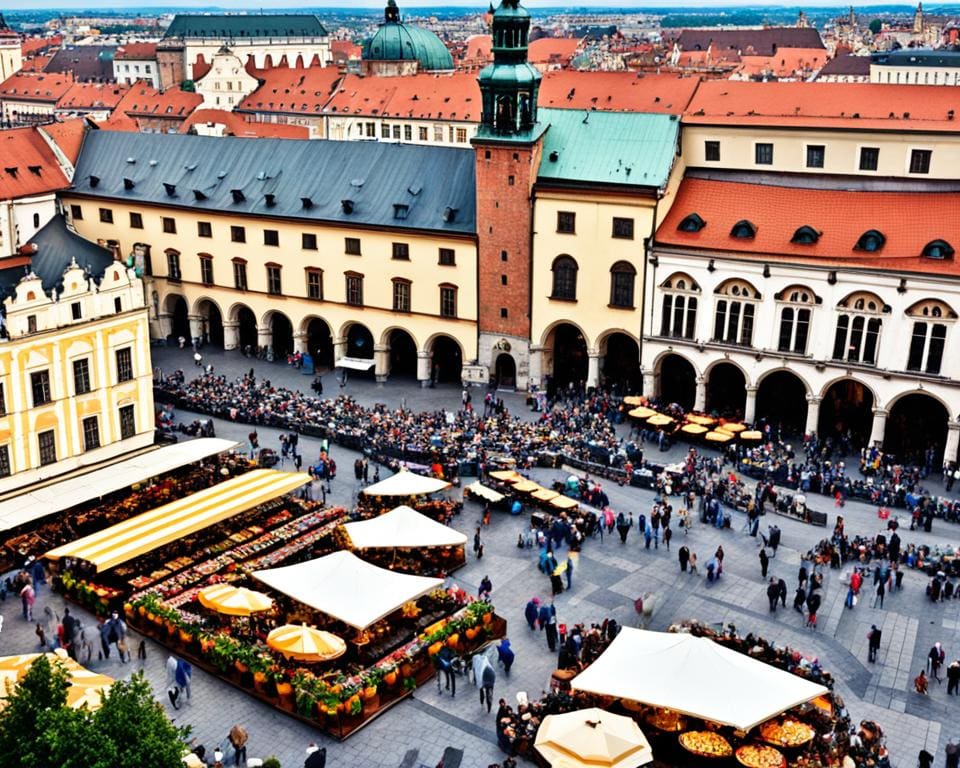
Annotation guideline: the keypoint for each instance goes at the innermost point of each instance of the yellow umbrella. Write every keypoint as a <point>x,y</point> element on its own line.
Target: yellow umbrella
<point>507,476</point>
<point>719,437</point>
<point>592,737</point>
<point>642,412</point>
<point>306,643</point>
<point>544,494</point>
<point>564,502</point>
<point>693,429</point>
<point>751,434</point>
<point>634,400</point>
<point>527,486</point>
<point>732,427</point>
<point>704,421</point>
<point>233,601</point>
<point>86,687</point>
<point>660,420</point>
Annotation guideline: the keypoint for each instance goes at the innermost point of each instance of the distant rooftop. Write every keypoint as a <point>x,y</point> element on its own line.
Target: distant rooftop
<point>232,26</point>
<point>917,57</point>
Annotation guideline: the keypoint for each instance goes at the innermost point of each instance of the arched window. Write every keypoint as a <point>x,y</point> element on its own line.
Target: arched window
<point>678,317</point>
<point>938,249</point>
<point>734,313</point>
<point>795,318</point>
<point>929,336</point>
<point>622,278</point>
<point>564,278</point>
<point>870,241</point>
<point>805,236</point>
<point>858,328</point>
<point>691,223</point>
<point>743,229</point>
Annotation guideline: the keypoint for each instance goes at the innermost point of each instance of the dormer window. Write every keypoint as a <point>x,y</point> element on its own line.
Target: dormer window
<point>805,236</point>
<point>870,241</point>
<point>400,210</point>
<point>743,229</point>
<point>691,223</point>
<point>937,249</point>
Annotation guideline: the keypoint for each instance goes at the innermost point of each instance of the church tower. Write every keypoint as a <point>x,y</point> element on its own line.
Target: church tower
<point>918,20</point>
<point>508,146</point>
<point>11,57</point>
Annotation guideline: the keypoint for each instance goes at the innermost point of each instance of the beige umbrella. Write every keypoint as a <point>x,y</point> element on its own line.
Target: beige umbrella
<point>719,437</point>
<point>705,421</point>
<point>660,420</point>
<point>527,486</point>
<point>694,429</point>
<point>642,412</point>
<point>635,400</point>
<point>233,601</point>
<point>306,643</point>
<point>592,737</point>
<point>751,434</point>
<point>544,494</point>
<point>732,427</point>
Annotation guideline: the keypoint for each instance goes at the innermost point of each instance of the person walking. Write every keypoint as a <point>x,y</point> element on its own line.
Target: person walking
<point>773,594</point>
<point>551,628</point>
<point>881,591</point>
<point>486,587</point>
<point>569,571</point>
<point>935,659</point>
<point>506,655</point>
<point>764,562</point>
<point>683,555</point>
<point>953,678</point>
<point>813,605</point>
<point>113,631</point>
<point>28,597</point>
<point>667,535</point>
<point>873,643</point>
<point>477,544</point>
<point>488,678</point>
<point>445,665</point>
<point>238,740</point>
<point>531,611</point>
<point>921,683</point>
<point>799,599</point>
<point>623,528</point>
<point>782,587</point>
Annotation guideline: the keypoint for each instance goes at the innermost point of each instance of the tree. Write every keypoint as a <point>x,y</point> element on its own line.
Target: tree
<point>875,26</point>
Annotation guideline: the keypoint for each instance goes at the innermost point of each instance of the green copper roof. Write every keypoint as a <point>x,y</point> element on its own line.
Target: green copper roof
<point>396,41</point>
<point>229,26</point>
<point>633,149</point>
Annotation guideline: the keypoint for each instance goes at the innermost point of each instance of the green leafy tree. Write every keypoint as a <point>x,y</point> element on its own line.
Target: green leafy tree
<point>42,690</point>
<point>875,26</point>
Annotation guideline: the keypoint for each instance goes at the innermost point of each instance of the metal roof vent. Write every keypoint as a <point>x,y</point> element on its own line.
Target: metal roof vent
<point>131,160</point>
<point>152,163</point>
<point>128,183</point>
<point>191,167</point>
<point>450,214</point>
<point>400,210</point>
<point>199,195</point>
<point>222,175</point>
<point>414,189</point>
<point>262,176</point>
<point>238,196</point>
<point>356,182</point>
<point>554,156</point>
<point>270,200</point>
<point>94,180</point>
<point>347,206</point>
<point>307,202</point>
<point>171,189</point>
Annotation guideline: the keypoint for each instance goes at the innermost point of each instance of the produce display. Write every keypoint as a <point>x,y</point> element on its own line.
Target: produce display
<point>787,733</point>
<point>705,744</point>
<point>760,756</point>
<point>666,720</point>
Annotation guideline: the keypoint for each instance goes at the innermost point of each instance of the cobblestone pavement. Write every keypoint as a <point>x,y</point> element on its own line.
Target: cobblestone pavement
<point>609,577</point>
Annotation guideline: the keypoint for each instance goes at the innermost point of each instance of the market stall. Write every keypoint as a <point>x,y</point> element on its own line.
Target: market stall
<point>416,489</point>
<point>592,737</point>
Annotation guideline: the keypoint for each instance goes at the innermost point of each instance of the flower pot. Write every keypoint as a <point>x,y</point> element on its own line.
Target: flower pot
<point>472,633</point>
<point>127,610</point>
<point>260,681</point>
<point>406,669</point>
<point>369,692</point>
<point>371,705</point>
<point>185,637</point>
<point>142,610</point>
<point>170,627</point>
<point>390,679</point>
<point>206,645</point>
<point>241,667</point>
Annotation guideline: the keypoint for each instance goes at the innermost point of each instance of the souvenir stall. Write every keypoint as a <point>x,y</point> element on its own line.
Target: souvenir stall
<point>417,491</point>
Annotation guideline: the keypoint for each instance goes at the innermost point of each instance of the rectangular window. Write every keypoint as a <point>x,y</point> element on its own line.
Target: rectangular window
<point>351,246</point>
<point>4,461</point>
<point>240,275</point>
<point>401,296</point>
<point>355,290</point>
<point>621,288</point>
<point>76,310</point>
<point>315,284</point>
<point>918,341</point>
<point>81,376</point>
<point>136,221</point>
<point>711,151</point>
<point>47,442</point>
<point>91,433</point>
<point>920,160</point>
<point>76,213</point>
<point>566,222</point>
<point>40,386</point>
<point>448,257</point>
<point>448,301</point>
<point>938,337</point>
<point>106,216</point>
<point>206,271</point>
<point>31,323</point>
<point>308,241</point>
<point>271,237</point>
<point>461,135</point>
<point>173,265</point>
<point>869,158</point>
<point>422,133</point>
<point>274,286</point>
<point>622,228</point>
<point>438,133</point>
<point>396,132</point>
<point>204,229</point>
<point>816,155</point>
<point>803,331</point>
<point>763,153</point>
<point>401,251</point>
<point>128,422</point>
<point>238,234</point>
<point>3,401</point>
<point>169,225</point>
<point>384,131</point>
<point>371,130</point>
<point>124,364</point>
<point>408,133</point>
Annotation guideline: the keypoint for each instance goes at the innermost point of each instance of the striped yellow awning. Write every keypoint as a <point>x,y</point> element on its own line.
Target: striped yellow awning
<point>86,688</point>
<point>146,532</point>
<point>544,494</point>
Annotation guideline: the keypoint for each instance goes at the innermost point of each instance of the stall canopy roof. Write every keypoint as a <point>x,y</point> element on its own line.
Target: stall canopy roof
<point>356,363</point>
<point>406,484</point>
<point>402,527</point>
<point>347,588</point>
<point>479,489</point>
<point>144,533</point>
<point>695,676</point>
<point>57,497</point>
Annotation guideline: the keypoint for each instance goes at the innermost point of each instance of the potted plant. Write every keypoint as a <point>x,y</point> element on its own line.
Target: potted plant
<point>223,653</point>
<point>409,685</point>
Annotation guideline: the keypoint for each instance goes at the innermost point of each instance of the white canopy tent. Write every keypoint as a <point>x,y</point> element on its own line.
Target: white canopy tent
<point>58,496</point>
<point>402,527</point>
<point>347,588</point>
<point>695,676</point>
<point>356,363</point>
<point>487,494</point>
<point>406,483</point>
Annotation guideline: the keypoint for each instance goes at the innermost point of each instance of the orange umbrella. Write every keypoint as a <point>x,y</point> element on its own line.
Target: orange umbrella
<point>306,643</point>
<point>642,412</point>
<point>233,601</point>
<point>660,420</point>
<point>634,400</point>
<point>719,437</point>
<point>693,429</point>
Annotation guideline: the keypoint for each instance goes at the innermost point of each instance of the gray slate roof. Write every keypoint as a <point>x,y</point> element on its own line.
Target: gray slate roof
<point>56,247</point>
<point>203,173</point>
<point>763,42</point>
<point>231,26</point>
<point>918,57</point>
<point>88,63</point>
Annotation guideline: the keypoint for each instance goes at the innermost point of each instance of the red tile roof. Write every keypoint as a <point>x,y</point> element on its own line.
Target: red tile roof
<point>236,126</point>
<point>344,51</point>
<point>27,86</point>
<point>479,48</point>
<point>29,165</point>
<point>68,136</point>
<point>762,42</point>
<point>784,63</point>
<point>92,95</point>
<point>137,51</point>
<point>300,91</point>
<point>31,45</point>
<point>118,121</point>
<point>841,216</point>
<point>616,91</point>
<point>36,63</point>
<point>143,101</point>
<point>552,50</point>
<point>866,106</point>
<point>438,97</point>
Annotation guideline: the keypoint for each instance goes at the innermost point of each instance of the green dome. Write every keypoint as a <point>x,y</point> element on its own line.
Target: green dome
<point>396,41</point>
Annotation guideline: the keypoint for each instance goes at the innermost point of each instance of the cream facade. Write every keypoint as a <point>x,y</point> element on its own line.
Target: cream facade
<point>914,75</point>
<point>130,71</point>
<point>456,133</point>
<point>227,83</point>
<point>22,218</point>
<point>75,375</point>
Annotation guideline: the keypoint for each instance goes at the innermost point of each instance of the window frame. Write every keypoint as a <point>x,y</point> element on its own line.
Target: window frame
<point>314,282</point>
<point>308,241</point>
<point>763,153</point>
<point>448,300</point>
<point>47,452</point>
<point>169,225</point>
<point>40,381</point>
<point>564,271</point>
<point>271,238</point>
<point>5,467</point>
<point>204,229</point>
<point>814,148</point>
<point>618,272</point>
<point>81,375</point>
<point>238,233</point>
<point>447,257</point>
<point>623,234</point>
<point>124,361</point>
<point>274,279</point>
<point>240,282</point>
<point>400,251</point>
<point>206,269</point>
<point>352,246</point>
<point>566,222</point>
<point>711,151</point>
<point>91,437</point>
<point>136,220</point>
<point>402,294</point>
<point>867,156</point>
<point>106,216</point>
<point>174,270</point>
<point>354,289</point>
<point>919,160</point>
<point>127,416</point>
<point>76,212</point>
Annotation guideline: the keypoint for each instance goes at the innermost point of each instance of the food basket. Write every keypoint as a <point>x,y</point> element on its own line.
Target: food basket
<point>666,720</point>
<point>760,756</point>
<point>786,733</point>
<point>706,744</point>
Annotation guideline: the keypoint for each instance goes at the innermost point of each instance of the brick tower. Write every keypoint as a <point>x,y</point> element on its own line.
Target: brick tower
<point>507,146</point>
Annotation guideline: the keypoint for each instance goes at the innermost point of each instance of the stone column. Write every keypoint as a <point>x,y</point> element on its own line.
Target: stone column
<point>265,338</point>
<point>301,343</point>
<point>813,414</point>
<point>339,349</point>
<point>700,401</point>
<point>649,383</point>
<point>593,368</point>
<point>231,335</point>
<point>165,320</point>
<point>196,326</point>
<point>424,366</point>
<point>879,426</point>
<point>953,441</point>
<point>535,376</point>
<point>750,408</point>
<point>381,357</point>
